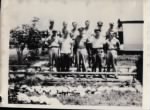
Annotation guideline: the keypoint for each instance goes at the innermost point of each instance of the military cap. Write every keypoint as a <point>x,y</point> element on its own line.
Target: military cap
<point>81,29</point>
<point>51,21</point>
<point>100,23</point>
<point>96,30</point>
<point>54,31</point>
<point>111,23</point>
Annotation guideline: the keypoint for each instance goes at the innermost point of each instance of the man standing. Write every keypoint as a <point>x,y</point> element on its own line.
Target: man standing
<point>53,44</point>
<point>111,55</point>
<point>66,51</point>
<point>88,34</point>
<point>97,50</point>
<point>74,33</point>
<point>110,29</point>
<point>82,55</point>
<point>49,34</point>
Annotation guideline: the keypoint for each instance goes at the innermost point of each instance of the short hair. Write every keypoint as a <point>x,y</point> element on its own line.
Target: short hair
<point>64,22</point>
<point>74,22</point>
<point>87,21</point>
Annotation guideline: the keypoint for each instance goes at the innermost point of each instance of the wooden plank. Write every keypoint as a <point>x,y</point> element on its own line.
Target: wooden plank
<point>119,58</point>
<point>18,65</point>
<point>65,81</point>
<point>77,73</point>
<point>41,66</point>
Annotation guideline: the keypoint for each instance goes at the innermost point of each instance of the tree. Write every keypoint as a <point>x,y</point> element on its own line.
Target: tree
<point>26,35</point>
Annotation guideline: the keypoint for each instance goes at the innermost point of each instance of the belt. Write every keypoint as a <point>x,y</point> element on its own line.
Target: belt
<point>82,48</point>
<point>54,47</point>
<point>112,49</point>
<point>97,48</point>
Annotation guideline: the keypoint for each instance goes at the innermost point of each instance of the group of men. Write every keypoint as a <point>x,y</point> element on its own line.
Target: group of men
<point>82,48</point>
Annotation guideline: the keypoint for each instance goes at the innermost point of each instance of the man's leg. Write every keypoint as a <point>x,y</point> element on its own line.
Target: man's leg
<point>75,57</point>
<point>50,58</point>
<point>78,60</point>
<point>114,58</point>
<point>94,63</point>
<point>57,62</point>
<point>84,59</point>
<point>99,62</point>
<point>62,62</point>
<point>68,60</point>
<point>108,61</point>
<point>89,51</point>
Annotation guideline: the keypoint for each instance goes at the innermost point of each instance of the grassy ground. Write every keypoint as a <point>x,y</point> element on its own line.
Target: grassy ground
<point>114,98</point>
<point>46,89</point>
<point>72,92</point>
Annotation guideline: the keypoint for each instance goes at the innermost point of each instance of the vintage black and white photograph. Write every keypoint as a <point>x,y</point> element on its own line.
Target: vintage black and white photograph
<point>76,52</point>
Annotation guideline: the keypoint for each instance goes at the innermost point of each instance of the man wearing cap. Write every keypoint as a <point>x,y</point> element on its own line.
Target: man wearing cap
<point>53,44</point>
<point>66,51</point>
<point>110,29</point>
<point>51,28</point>
<point>49,34</point>
<point>64,28</point>
<point>74,31</point>
<point>99,25</point>
<point>97,50</point>
<point>111,55</point>
<point>82,55</point>
<point>73,34</point>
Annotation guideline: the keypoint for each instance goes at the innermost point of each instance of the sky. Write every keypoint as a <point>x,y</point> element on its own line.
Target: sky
<point>22,12</point>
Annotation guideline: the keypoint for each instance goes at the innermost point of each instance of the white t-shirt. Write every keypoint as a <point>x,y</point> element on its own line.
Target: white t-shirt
<point>98,42</point>
<point>66,45</point>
